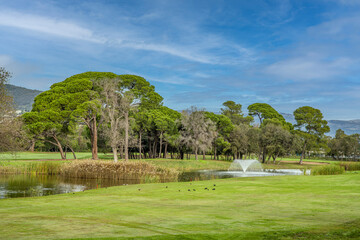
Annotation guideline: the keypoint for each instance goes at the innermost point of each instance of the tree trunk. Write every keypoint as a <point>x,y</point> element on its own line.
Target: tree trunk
<point>149,146</point>
<point>94,139</point>
<point>126,136</point>
<point>154,150</point>
<point>274,158</point>
<point>32,146</point>
<point>114,149</point>
<point>121,151</point>
<point>196,153</point>
<point>161,137</point>
<point>302,153</point>
<point>263,155</point>
<point>165,152</point>
<point>215,157</point>
<point>58,144</point>
<point>72,150</point>
<point>204,157</point>
<point>268,159</point>
<point>140,145</point>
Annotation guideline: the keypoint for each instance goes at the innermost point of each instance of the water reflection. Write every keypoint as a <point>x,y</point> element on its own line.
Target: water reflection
<point>12,186</point>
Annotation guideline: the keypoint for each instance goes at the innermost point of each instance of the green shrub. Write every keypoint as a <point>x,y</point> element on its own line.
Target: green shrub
<point>330,169</point>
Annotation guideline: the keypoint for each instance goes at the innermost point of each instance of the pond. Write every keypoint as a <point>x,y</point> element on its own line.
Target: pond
<point>12,186</point>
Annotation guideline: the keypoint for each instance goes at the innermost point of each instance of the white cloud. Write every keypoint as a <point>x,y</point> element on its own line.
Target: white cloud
<point>47,25</point>
<point>307,68</point>
<point>345,27</point>
<point>171,50</point>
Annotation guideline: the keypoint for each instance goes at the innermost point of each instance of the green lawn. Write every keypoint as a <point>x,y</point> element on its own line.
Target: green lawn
<point>285,207</point>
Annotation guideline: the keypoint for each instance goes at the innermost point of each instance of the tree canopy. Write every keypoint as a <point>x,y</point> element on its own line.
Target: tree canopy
<point>132,121</point>
<point>310,126</point>
<point>10,127</point>
<point>264,111</point>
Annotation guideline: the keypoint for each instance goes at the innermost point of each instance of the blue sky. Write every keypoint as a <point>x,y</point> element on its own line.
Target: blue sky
<point>285,53</point>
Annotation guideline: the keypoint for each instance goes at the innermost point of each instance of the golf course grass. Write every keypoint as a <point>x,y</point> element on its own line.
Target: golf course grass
<point>283,207</point>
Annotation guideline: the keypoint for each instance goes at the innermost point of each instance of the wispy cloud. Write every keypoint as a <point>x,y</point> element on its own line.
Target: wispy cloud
<point>308,68</point>
<point>171,50</point>
<point>41,24</point>
<point>136,38</point>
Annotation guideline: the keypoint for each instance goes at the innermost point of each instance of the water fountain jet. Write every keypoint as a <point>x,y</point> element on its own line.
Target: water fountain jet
<point>244,165</point>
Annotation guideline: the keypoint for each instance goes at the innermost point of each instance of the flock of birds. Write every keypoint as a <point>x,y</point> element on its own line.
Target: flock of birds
<point>189,190</point>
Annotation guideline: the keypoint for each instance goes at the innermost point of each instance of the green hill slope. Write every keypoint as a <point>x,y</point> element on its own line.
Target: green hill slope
<point>23,97</point>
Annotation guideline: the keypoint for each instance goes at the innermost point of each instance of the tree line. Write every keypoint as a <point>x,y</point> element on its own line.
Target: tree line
<point>124,114</point>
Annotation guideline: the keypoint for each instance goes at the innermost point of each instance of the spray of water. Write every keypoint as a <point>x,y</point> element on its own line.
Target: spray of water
<point>245,165</point>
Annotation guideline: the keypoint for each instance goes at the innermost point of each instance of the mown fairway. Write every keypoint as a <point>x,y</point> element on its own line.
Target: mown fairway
<point>305,207</point>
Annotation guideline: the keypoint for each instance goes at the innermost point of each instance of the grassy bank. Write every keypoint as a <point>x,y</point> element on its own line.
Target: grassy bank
<point>302,207</point>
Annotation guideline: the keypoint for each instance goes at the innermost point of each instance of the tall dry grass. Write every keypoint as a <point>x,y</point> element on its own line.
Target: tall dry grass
<point>90,169</point>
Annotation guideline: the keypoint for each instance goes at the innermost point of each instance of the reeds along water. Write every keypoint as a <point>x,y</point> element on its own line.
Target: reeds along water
<point>46,168</point>
<point>89,169</point>
<point>328,170</point>
<point>350,166</point>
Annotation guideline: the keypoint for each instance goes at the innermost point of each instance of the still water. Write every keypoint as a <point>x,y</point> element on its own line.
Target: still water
<point>12,186</point>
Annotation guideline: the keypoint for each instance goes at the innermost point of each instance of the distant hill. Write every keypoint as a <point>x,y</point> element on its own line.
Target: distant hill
<point>348,126</point>
<point>23,97</point>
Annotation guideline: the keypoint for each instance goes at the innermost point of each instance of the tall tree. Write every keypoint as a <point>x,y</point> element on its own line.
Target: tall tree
<point>143,97</point>
<point>276,139</point>
<point>6,101</point>
<point>114,104</point>
<point>68,102</point>
<point>77,100</point>
<point>239,141</point>
<point>10,126</point>
<point>310,126</point>
<point>198,131</point>
<point>233,111</point>
<point>267,114</point>
<point>142,125</point>
<point>224,127</point>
